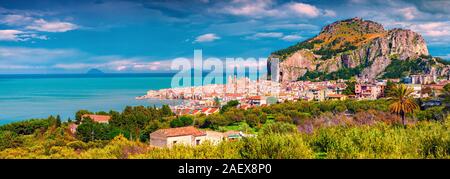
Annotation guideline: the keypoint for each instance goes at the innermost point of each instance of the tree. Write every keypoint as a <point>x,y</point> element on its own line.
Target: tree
<point>230,104</point>
<point>279,128</point>
<point>252,120</point>
<point>403,103</point>
<point>176,123</point>
<point>79,114</point>
<point>350,89</point>
<point>90,130</point>
<point>389,85</point>
<point>446,98</point>
<point>186,120</point>
<point>58,121</point>
<point>166,111</point>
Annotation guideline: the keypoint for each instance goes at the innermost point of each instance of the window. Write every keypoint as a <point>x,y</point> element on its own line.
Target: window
<point>197,142</point>
<point>174,142</point>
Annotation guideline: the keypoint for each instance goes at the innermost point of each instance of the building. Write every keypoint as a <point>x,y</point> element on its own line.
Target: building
<point>336,97</point>
<point>369,91</point>
<point>423,79</point>
<point>214,137</point>
<point>208,111</point>
<point>417,90</point>
<point>97,118</point>
<point>73,128</point>
<point>233,135</point>
<point>190,136</point>
<point>256,100</point>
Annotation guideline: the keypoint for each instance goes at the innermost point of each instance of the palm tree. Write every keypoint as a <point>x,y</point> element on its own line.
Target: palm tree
<point>403,103</point>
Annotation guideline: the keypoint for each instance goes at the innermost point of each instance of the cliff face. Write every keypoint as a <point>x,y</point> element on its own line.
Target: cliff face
<point>349,44</point>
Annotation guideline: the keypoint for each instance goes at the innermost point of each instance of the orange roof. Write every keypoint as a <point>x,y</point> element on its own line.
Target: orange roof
<point>213,110</point>
<point>185,111</point>
<point>179,131</point>
<point>97,118</point>
<point>254,98</point>
<point>205,109</point>
<point>233,95</point>
<point>437,87</point>
<point>336,95</point>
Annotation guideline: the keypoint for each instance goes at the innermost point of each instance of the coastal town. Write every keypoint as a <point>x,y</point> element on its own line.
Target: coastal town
<point>250,93</point>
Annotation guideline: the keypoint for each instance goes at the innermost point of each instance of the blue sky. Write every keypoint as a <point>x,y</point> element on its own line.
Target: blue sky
<point>44,36</point>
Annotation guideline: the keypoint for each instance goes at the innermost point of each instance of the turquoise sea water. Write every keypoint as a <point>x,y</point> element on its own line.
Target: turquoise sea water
<point>38,96</point>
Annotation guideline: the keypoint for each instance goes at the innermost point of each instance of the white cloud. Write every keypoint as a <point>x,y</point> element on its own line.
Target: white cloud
<point>10,35</point>
<point>17,35</point>
<point>73,66</point>
<point>16,20</point>
<point>250,8</point>
<point>207,38</point>
<point>265,35</point>
<point>433,29</point>
<point>269,8</point>
<point>408,13</point>
<point>34,55</point>
<point>124,64</point>
<point>277,35</point>
<point>302,9</point>
<point>445,56</point>
<point>439,31</point>
<point>291,26</point>
<point>291,37</point>
<point>329,13</point>
<point>45,26</point>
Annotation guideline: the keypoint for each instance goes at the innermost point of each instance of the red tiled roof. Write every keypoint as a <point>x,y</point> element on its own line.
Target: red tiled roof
<point>254,98</point>
<point>185,111</point>
<point>97,118</point>
<point>233,95</point>
<point>213,110</point>
<point>336,95</point>
<point>180,131</point>
<point>195,111</point>
<point>204,110</point>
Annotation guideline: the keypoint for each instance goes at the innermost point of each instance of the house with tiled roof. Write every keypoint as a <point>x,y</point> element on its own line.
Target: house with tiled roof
<point>189,135</point>
<point>336,97</point>
<point>213,110</point>
<point>97,118</point>
<point>195,112</point>
<point>256,100</point>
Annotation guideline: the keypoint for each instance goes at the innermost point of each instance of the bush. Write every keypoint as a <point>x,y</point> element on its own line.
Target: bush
<point>278,128</point>
<point>276,146</point>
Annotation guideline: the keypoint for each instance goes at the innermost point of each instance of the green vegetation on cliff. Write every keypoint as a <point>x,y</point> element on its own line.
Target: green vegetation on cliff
<point>403,68</point>
<point>342,73</point>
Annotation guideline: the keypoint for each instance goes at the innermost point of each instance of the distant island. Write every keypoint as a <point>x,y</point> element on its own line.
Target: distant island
<point>95,71</point>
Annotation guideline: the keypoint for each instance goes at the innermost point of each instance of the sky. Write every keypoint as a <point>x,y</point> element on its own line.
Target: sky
<point>72,36</point>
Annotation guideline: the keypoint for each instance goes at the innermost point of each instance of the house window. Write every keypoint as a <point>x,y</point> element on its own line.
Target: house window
<point>197,142</point>
<point>174,142</point>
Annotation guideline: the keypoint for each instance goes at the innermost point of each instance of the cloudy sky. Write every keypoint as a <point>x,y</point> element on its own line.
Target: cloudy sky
<point>71,36</point>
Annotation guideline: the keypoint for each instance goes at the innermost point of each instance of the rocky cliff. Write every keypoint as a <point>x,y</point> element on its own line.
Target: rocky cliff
<point>359,47</point>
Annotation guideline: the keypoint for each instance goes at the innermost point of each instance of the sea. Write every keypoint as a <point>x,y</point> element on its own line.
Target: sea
<point>28,96</point>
